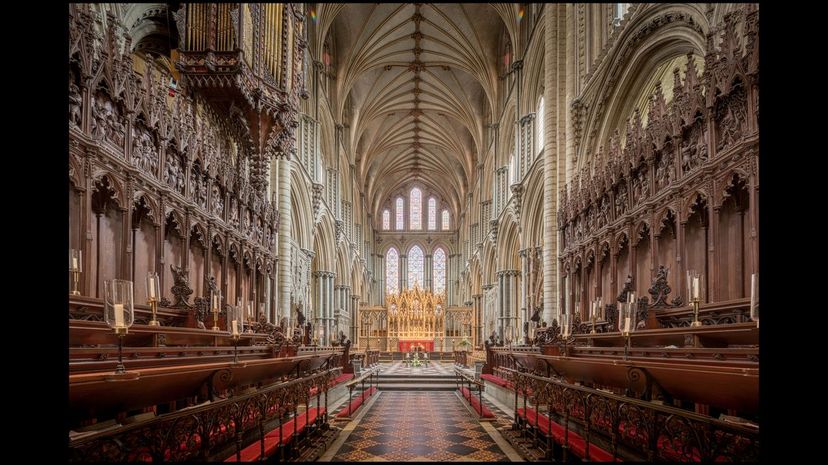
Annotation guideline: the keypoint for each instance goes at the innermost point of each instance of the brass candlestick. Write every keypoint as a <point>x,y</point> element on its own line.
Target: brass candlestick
<point>121,333</point>
<point>696,323</point>
<point>153,303</point>
<point>75,278</point>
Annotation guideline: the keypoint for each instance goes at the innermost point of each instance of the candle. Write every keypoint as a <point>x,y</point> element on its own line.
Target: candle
<point>695,288</point>
<point>119,316</point>
<point>152,287</point>
<point>627,321</point>
<point>75,263</point>
<point>235,328</point>
<point>752,294</point>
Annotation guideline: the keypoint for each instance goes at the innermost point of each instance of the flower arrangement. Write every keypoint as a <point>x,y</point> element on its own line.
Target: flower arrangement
<point>415,362</point>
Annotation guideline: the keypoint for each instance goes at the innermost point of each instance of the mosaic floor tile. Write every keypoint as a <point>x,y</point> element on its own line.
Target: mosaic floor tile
<point>417,426</point>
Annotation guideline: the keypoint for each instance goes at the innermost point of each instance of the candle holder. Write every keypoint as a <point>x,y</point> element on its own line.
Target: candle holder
<point>593,314</point>
<point>119,314</point>
<point>216,304</point>
<point>75,266</point>
<point>754,298</point>
<point>693,288</point>
<point>626,324</point>
<point>153,292</point>
<point>566,332</point>
<point>235,326</point>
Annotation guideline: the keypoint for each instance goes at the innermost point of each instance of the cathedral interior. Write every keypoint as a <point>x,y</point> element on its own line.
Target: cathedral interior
<point>413,232</point>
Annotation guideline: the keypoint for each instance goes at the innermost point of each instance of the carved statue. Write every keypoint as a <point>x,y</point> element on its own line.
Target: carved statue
<point>102,112</point>
<point>701,145</point>
<point>300,317</point>
<point>645,185</point>
<point>728,129</point>
<point>536,315</point>
<point>74,103</point>
<point>181,288</point>
<point>342,338</point>
<point>628,287</point>
<point>661,172</point>
<point>234,212</point>
<point>687,150</point>
<point>621,201</point>
<point>660,289</point>
<point>308,332</point>
<point>216,200</point>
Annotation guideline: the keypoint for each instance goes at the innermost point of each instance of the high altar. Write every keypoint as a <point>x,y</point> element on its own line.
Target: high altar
<point>415,317</point>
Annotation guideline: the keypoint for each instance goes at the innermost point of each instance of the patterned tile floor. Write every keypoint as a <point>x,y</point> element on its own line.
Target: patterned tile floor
<point>419,426</point>
<point>433,368</point>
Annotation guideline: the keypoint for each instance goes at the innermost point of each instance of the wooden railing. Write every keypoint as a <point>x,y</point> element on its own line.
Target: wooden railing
<point>206,432</point>
<point>373,381</point>
<point>474,386</point>
<point>461,358</point>
<point>631,428</point>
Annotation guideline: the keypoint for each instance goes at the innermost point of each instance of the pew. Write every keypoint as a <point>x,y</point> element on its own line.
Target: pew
<point>595,425</point>
<point>217,429</point>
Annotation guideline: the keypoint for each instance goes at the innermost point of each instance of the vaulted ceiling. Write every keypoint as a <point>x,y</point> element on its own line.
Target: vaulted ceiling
<point>415,84</point>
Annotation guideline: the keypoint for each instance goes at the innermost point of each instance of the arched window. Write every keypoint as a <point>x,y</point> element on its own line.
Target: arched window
<point>416,266</point>
<point>445,220</point>
<point>539,126</point>
<point>618,12</point>
<point>432,214</point>
<point>439,270</point>
<point>386,220</point>
<point>416,206</point>
<point>400,214</point>
<point>392,271</point>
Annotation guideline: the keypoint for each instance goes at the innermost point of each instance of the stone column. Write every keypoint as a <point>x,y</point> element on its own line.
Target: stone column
<point>403,271</point>
<point>380,267</point>
<point>284,238</point>
<point>552,40</point>
<point>524,285</point>
<point>501,303</point>
<point>429,273</point>
<point>478,319</point>
<point>354,317</point>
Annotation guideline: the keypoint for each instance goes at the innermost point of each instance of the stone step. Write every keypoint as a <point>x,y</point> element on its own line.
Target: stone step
<point>417,387</point>
<point>402,380</point>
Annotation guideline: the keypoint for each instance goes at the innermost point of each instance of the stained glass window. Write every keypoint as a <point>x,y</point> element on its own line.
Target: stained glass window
<point>445,220</point>
<point>416,266</point>
<point>432,214</point>
<point>392,271</point>
<point>439,270</point>
<point>539,126</point>
<point>416,205</point>
<point>386,220</point>
<point>399,212</point>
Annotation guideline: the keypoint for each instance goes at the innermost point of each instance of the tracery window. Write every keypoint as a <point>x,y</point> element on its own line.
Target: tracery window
<point>432,214</point>
<point>439,270</point>
<point>400,214</point>
<point>392,271</point>
<point>416,266</point>
<point>386,220</point>
<point>445,220</point>
<point>416,206</point>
